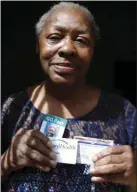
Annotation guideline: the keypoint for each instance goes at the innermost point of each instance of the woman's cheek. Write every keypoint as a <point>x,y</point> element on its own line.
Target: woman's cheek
<point>47,52</point>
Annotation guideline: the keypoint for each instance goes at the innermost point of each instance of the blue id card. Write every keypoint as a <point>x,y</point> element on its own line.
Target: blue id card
<point>53,126</point>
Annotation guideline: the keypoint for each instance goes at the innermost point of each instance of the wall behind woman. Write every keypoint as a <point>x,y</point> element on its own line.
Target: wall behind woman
<point>20,65</point>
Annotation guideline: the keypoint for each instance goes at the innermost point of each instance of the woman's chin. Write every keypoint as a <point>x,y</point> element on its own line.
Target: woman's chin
<point>63,79</point>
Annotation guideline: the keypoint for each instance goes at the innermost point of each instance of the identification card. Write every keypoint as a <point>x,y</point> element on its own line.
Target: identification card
<point>65,149</point>
<point>53,126</point>
<point>89,147</point>
<point>87,150</point>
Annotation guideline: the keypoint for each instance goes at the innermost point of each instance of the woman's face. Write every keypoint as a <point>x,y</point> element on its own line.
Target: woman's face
<point>66,46</point>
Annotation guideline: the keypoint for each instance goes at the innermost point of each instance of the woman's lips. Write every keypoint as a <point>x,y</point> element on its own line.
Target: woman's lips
<point>64,68</point>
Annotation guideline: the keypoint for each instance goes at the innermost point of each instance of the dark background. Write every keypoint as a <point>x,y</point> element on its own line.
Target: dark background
<point>114,65</point>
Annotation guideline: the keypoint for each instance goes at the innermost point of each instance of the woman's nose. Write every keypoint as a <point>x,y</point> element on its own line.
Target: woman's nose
<point>67,49</point>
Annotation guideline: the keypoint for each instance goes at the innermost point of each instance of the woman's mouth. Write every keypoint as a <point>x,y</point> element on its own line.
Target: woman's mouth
<point>62,68</point>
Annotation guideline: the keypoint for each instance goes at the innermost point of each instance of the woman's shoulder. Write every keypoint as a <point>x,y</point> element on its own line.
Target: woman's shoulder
<point>14,98</point>
<point>113,98</point>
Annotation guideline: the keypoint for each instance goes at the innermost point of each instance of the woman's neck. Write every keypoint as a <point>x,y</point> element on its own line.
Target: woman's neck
<point>66,92</point>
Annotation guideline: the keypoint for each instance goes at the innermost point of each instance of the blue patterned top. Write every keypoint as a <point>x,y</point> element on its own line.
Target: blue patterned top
<point>113,118</point>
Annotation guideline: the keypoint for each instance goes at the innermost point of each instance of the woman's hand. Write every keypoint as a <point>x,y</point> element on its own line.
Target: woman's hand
<point>115,164</point>
<point>28,148</point>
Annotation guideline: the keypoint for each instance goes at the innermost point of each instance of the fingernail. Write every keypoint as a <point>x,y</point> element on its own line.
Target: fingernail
<point>49,144</point>
<point>52,155</point>
<point>94,159</point>
<point>94,179</point>
<point>92,170</point>
<point>47,169</point>
<point>53,163</point>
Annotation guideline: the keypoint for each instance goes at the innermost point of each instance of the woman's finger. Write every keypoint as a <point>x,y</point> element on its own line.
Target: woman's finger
<point>41,137</point>
<point>107,169</point>
<point>111,159</point>
<point>111,151</point>
<point>37,157</point>
<point>37,145</point>
<point>113,178</point>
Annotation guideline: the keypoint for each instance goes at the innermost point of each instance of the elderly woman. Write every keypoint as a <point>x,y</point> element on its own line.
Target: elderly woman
<point>66,37</point>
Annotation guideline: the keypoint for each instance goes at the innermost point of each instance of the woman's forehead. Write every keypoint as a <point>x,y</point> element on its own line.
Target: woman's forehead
<point>69,18</point>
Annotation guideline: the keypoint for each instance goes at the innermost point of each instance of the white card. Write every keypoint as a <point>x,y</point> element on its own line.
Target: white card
<point>87,150</point>
<point>95,140</point>
<point>65,149</point>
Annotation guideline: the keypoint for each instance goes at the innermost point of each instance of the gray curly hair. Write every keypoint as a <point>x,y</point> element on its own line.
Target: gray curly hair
<point>43,19</point>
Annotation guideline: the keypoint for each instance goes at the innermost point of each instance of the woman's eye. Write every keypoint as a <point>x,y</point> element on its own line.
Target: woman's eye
<point>81,40</point>
<point>54,38</point>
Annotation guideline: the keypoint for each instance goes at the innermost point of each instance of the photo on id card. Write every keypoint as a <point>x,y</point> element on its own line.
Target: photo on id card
<point>53,126</point>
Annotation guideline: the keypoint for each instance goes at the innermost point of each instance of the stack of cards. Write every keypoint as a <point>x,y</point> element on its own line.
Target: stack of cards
<point>71,151</point>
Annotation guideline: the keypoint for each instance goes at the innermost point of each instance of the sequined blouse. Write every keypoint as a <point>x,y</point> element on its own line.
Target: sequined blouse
<point>113,118</point>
